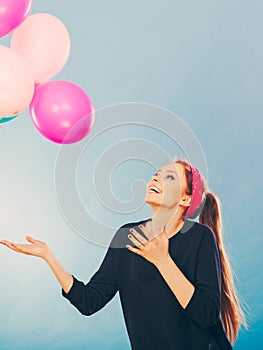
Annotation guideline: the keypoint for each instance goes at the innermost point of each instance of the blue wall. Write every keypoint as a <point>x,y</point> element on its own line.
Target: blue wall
<point>200,60</point>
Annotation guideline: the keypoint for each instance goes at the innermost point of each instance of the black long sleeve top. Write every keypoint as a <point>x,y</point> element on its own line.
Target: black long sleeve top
<point>153,316</point>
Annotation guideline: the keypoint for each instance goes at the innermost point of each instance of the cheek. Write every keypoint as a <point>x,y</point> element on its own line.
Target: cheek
<point>172,191</point>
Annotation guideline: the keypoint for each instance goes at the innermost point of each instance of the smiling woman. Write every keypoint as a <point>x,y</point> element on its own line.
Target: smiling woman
<point>172,273</point>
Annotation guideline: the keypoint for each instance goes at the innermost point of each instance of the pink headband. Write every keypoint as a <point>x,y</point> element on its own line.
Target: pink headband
<point>197,192</point>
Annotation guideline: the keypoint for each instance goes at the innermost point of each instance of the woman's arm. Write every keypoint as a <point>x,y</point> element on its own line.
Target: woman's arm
<point>62,275</point>
<point>181,287</point>
<point>200,301</point>
<point>87,298</point>
<point>91,297</point>
<point>155,250</point>
<point>42,250</point>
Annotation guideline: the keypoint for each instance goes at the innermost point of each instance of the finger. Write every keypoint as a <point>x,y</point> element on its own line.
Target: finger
<point>146,232</point>
<point>31,239</point>
<point>3,241</point>
<point>19,247</point>
<point>11,246</point>
<point>164,231</point>
<point>135,242</point>
<point>7,243</point>
<point>149,233</point>
<point>139,237</point>
<point>23,248</point>
<point>134,250</point>
<point>162,234</point>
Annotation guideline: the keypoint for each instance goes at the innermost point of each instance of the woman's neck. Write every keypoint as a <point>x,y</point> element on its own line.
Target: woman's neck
<point>173,222</point>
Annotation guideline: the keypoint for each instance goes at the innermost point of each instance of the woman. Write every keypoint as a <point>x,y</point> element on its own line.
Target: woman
<point>172,274</point>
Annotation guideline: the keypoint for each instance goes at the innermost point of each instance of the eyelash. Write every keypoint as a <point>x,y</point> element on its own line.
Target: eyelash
<point>166,176</point>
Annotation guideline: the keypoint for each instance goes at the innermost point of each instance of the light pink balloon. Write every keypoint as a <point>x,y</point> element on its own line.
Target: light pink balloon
<point>62,111</point>
<point>13,13</point>
<point>45,41</point>
<point>16,82</point>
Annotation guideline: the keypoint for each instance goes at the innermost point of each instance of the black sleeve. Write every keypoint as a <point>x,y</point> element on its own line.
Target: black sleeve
<point>204,306</point>
<point>91,297</point>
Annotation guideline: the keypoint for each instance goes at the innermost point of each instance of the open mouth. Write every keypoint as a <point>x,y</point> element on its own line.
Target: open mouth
<point>154,189</point>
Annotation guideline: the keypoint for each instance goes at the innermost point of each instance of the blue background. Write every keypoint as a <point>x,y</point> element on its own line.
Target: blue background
<point>199,59</point>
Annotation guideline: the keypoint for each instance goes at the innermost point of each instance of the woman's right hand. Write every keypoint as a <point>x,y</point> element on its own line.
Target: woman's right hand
<point>41,249</point>
<point>35,248</point>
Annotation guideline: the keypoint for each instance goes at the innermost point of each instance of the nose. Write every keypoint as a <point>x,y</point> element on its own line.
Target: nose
<point>155,177</point>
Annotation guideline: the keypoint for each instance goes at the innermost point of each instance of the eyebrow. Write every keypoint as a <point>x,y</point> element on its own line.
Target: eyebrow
<point>167,171</point>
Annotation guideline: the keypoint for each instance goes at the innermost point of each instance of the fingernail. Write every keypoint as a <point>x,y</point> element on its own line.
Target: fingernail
<point>131,230</point>
<point>127,246</point>
<point>141,226</point>
<point>130,236</point>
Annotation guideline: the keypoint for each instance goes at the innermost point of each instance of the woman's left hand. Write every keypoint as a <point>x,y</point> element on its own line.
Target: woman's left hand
<point>154,248</point>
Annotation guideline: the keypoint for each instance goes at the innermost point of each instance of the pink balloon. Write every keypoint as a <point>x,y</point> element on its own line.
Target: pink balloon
<point>16,82</point>
<point>13,13</point>
<point>45,41</point>
<point>62,111</point>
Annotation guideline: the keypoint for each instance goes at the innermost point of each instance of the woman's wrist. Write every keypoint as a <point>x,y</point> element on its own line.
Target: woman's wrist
<point>164,261</point>
<point>49,256</point>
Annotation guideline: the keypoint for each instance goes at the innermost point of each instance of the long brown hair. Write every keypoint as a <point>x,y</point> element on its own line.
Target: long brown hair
<point>231,313</point>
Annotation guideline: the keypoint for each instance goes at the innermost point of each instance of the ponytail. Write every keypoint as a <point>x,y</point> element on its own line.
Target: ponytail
<point>232,315</point>
<point>209,212</point>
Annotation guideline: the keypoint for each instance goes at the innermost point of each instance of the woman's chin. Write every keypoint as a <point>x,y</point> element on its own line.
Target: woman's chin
<point>150,200</point>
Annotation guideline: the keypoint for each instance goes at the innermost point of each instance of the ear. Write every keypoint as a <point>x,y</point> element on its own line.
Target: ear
<point>185,200</point>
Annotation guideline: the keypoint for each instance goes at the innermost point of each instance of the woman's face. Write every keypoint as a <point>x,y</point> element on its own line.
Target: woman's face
<point>166,188</point>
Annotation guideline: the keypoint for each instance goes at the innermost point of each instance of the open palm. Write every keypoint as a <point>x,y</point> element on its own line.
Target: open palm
<point>35,248</point>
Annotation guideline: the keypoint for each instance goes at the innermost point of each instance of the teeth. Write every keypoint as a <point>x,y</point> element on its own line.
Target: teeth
<point>154,189</point>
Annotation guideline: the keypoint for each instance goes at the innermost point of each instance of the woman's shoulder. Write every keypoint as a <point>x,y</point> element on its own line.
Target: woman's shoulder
<point>134,223</point>
<point>194,226</point>
<point>196,230</point>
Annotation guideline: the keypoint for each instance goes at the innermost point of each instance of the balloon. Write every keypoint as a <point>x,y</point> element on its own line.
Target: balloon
<point>62,111</point>
<point>16,82</point>
<point>7,119</point>
<point>45,41</point>
<point>13,13</point>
